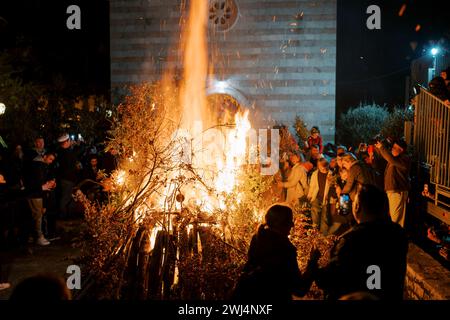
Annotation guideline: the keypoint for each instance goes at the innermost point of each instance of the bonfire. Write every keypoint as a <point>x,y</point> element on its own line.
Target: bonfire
<point>187,195</point>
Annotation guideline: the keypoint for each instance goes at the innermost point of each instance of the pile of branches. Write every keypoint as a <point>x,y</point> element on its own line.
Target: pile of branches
<point>135,249</point>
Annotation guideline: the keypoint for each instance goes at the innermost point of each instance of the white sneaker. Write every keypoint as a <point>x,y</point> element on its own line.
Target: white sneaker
<point>42,241</point>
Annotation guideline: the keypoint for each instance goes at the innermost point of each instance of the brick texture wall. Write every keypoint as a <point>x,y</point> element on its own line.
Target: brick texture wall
<point>279,54</point>
<point>426,279</point>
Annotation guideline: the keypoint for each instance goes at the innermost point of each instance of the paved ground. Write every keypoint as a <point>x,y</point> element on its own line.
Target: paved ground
<point>22,262</point>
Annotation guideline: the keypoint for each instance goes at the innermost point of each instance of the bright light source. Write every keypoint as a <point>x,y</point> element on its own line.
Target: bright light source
<point>222,85</point>
<point>2,108</point>
<point>434,51</point>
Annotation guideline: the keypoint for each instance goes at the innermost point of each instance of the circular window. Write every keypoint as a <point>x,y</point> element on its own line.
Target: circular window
<point>222,14</point>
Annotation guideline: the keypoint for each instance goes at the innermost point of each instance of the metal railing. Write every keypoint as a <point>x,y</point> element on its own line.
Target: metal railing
<point>431,141</point>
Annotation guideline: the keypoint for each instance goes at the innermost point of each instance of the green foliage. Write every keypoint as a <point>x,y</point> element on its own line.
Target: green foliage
<point>395,124</point>
<point>360,124</point>
<point>20,99</point>
<point>245,206</point>
<point>45,109</point>
<point>301,130</point>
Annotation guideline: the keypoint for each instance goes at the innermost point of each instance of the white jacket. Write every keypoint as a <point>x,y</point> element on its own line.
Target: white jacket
<point>314,187</point>
<point>296,184</point>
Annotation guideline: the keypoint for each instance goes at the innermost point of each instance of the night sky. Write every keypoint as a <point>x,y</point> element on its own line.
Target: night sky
<point>371,64</point>
<point>80,57</point>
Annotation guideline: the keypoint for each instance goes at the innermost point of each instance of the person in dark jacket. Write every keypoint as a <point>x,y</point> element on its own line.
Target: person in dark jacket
<point>6,211</point>
<point>38,184</point>
<point>42,287</point>
<point>370,257</point>
<point>91,178</point>
<point>445,74</point>
<point>356,174</point>
<point>67,173</point>
<point>271,272</point>
<point>109,161</point>
<point>438,88</point>
<point>396,179</point>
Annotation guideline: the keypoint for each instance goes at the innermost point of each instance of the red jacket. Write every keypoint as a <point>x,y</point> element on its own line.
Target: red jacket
<point>317,141</point>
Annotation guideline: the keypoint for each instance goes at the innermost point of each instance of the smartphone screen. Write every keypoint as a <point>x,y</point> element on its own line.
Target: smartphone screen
<point>344,204</point>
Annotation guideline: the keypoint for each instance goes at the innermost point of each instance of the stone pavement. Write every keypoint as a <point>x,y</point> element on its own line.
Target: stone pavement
<point>22,262</point>
<point>426,278</point>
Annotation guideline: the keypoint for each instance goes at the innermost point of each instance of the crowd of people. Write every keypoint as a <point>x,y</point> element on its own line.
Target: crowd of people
<point>36,186</point>
<point>440,86</point>
<point>325,178</point>
<point>359,195</point>
<point>374,244</point>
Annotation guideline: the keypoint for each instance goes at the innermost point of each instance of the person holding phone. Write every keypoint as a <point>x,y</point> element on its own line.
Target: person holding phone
<point>356,174</point>
<point>374,241</point>
<point>341,220</point>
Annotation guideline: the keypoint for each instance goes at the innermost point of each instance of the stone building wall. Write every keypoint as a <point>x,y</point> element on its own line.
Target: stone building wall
<point>277,56</point>
<point>426,279</point>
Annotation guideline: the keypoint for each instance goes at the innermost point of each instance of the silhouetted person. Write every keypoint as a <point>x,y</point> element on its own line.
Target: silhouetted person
<point>41,287</point>
<point>67,173</point>
<point>374,241</point>
<point>438,88</point>
<point>109,161</point>
<point>445,74</point>
<point>91,175</point>
<point>271,272</point>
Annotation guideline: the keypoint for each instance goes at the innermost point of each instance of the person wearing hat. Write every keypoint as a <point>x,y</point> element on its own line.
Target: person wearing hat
<point>67,173</point>
<point>396,178</point>
<point>315,139</point>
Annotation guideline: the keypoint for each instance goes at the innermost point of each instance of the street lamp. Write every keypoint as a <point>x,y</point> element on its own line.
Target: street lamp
<point>434,52</point>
